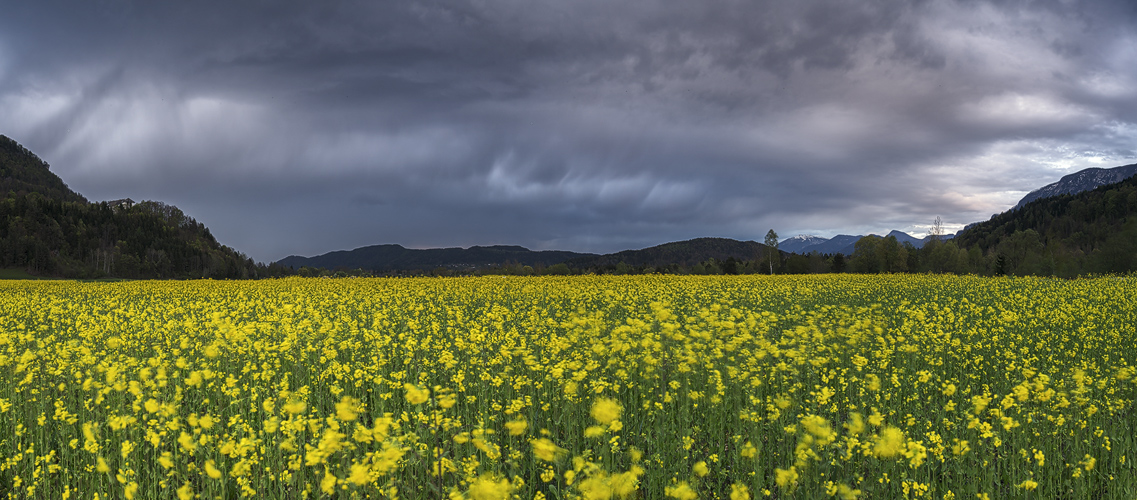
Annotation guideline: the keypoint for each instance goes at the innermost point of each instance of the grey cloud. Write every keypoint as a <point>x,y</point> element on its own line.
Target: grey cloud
<point>303,127</point>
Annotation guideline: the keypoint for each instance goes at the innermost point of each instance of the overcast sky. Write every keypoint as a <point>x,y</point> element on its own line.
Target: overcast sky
<point>593,125</point>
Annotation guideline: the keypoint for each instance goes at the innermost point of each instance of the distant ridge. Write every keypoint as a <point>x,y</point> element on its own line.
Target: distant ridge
<point>392,258</point>
<point>387,258</point>
<point>683,253</point>
<point>845,244</point>
<point>794,244</point>
<point>1077,182</point>
<point>842,243</point>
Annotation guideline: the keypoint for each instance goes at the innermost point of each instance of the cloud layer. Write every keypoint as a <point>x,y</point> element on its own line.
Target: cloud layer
<point>305,127</point>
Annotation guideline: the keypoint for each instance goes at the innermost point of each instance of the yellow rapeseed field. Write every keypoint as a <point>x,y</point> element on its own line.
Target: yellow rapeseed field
<point>570,387</point>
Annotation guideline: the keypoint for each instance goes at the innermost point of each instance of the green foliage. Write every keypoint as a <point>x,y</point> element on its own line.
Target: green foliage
<point>48,230</point>
<point>396,258</point>
<point>22,172</point>
<point>1093,232</point>
<point>1069,235</point>
<point>92,240</point>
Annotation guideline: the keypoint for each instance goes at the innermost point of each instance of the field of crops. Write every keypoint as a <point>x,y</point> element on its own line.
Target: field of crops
<point>575,387</point>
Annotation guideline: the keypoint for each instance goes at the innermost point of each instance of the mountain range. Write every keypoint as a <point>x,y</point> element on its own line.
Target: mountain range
<point>387,258</point>
<point>803,244</point>
<point>683,253</point>
<point>392,257</point>
<point>1077,182</point>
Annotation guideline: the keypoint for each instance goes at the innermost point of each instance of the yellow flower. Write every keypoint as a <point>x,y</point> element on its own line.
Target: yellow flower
<point>597,487</point>
<point>152,405</point>
<point>489,487</point>
<point>129,490</point>
<point>328,483</point>
<point>876,419</point>
<point>786,478</point>
<point>1028,485</point>
<point>186,441</point>
<point>1088,463</point>
<point>681,491</point>
<point>517,427</point>
<point>625,484</point>
<point>594,431</point>
<point>127,447</point>
<point>847,493</point>
<point>102,466</point>
<point>739,492</point>
<point>348,409</point>
<point>748,450</point>
<point>194,379</point>
<point>636,455</point>
<point>415,395</point>
<point>295,407</point>
<point>447,400</point>
<point>211,470</point>
<point>874,382</point>
<point>856,424</point>
<point>606,410</point>
<point>700,469</point>
<point>819,428</point>
<point>961,447</point>
<point>360,475</point>
<point>544,449</point>
<point>185,492</point>
<point>889,443</point>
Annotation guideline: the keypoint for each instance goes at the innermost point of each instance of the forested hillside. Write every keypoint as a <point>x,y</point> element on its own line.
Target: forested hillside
<point>1090,232</point>
<point>48,229</point>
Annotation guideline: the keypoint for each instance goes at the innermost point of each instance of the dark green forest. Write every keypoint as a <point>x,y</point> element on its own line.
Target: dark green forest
<point>50,230</point>
<point>1094,232</point>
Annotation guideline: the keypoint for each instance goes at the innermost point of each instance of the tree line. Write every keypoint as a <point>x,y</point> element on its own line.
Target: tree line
<point>121,239</point>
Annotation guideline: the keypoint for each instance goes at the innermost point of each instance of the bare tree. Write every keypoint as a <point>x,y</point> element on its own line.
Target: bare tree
<point>771,248</point>
<point>937,229</point>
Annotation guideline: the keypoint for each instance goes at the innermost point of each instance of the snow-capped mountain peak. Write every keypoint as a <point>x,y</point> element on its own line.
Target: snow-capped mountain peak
<point>796,243</point>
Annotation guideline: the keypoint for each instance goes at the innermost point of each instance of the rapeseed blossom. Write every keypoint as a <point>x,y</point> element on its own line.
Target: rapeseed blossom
<point>489,487</point>
<point>572,387</point>
<point>606,410</point>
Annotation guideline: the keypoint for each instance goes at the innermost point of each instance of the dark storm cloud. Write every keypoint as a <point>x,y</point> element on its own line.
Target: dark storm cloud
<point>304,127</point>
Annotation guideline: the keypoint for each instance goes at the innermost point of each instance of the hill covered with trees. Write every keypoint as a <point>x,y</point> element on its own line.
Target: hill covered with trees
<point>50,230</point>
<point>723,255</point>
<point>390,258</point>
<point>1066,235</point>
